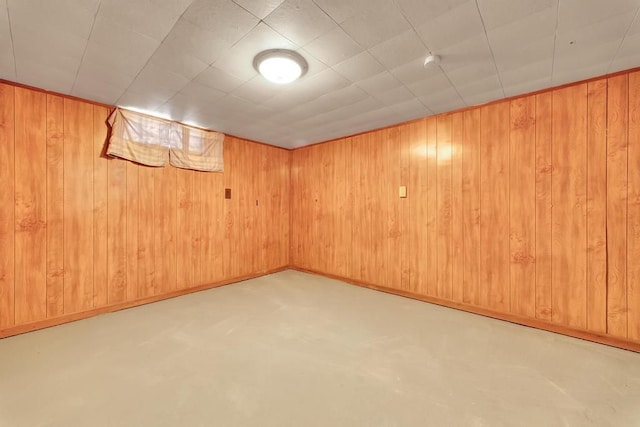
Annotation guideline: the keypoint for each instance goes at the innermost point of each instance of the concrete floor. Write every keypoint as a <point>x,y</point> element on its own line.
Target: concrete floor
<point>293,349</point>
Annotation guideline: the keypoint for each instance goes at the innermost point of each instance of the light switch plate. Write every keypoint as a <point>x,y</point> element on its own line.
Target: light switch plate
<point>403,191</point>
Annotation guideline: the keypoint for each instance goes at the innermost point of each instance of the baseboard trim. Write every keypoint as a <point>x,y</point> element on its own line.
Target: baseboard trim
<point>524,321</point>
<point>72,317</point>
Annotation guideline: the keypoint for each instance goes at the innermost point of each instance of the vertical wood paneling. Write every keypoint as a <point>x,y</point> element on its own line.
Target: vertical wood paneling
<point>522,198</point>
<point>185,217</point>
<point>569,150</point>
<point>471,206</point>
<point>116,230</point>
<point>457,239</point>
<point>544,170</point>
<point>494,211</point>
<point>30,206</point>
<point>617,123</point>
<point>7,205</point>
<point>597,207</point>
<point>147,278</point>
<point>133,215</point>
<point>431,220</point>
<point>55,206</point>
<point>444,153</point>
<point>417,188</point>
<point>78,209</point>
<point>100,209</point>
<point>165,212</point>
<point>633,220</point>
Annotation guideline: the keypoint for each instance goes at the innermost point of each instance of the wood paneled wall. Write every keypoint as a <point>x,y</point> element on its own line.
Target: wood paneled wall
<point>527,208</point>
<point>80,231</point>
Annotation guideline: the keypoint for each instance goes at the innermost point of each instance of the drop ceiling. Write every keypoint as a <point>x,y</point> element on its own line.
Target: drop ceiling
<point>191,60</point>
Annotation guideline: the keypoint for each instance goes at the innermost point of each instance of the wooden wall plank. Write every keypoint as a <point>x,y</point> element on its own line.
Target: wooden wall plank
<point>7,206</point>
<point>30,206</point>
<point>597,207</point>
<point>457,239</point>
<point>55,206</point>
<point>431,221</point>
<point>633,207</point>
<point>147,279</point>
<point>471,207</point>
<point>78,209</point>
<point>522,197</point>
<point>617,140</point>
<point>100,204</point>
<point>544,170</point>
<point>494,201</point>
<point>185,217</point>
<point>132,218</point>
<point>569,150</point>
<point>443,199</point>
<point>116,230</point>
<point>417,189</point>
<point>165,212</point>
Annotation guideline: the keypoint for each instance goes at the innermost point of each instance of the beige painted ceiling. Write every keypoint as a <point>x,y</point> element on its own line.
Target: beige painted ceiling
<point>191,60</point>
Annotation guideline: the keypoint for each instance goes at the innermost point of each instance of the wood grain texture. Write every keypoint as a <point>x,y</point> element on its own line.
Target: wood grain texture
<point>617,140</point>
<point>522,205</point>
<point>430,222</point>
<point>7,206</point>
<point>92,233</point>
<point>597,207</point>
<point>494,207</point>
<point>444,252</point>
<point>569,228</point>
<point>55,206</point>
<point>633,209</point>
<point>78,206</point>
<point>457,239</point>
<point>30,206</point>
<point>471,207</point>
<point>417,186</point>
<point>544,169</point>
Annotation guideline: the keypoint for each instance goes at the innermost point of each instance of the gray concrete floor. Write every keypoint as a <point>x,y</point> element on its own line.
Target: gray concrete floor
<point>293,349</point>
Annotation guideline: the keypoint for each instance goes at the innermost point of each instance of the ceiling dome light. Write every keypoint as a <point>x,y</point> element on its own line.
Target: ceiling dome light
<point>280,66</point>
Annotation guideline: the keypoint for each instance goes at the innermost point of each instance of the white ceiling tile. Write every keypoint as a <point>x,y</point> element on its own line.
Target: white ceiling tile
<point>200,94</point>
<point>195,41</point>
<point>527,86</point>
<point>142,101</point>
<point>379,83</point>
<point>481,90</point>
<point>399,50</point>
<point>257,90</point>
<point>333,47</point>
<point>238,60</point>
<point>54,74</point>
<point>97,90</point>
<point>7,64</point>
<point>419,12</point>
<point>534,70</point>
<point>69,17</point>
<point>223,18</point>
<point>500,12</point>
<point>177,61</point>
<point>216,78</point>
<point>394,96</point>
<point>629,54</point>
<point>571,74</point>
<point>359,67</point>
<point>581,13</point>
<point>373,26</point>
<point>148,17</point>
<point>434,83</point>
<point>410,109</point>
<point>414,71</point>
<point>259,8</point>
<point>518,56</point>
<point>578,58</point>
<point>300,21</point>
<point>611,29</point>
<point>452,27</point>
<point>465,54</point>
<point>117,48</point>
<point>522,32</point>
<point>341,10</point>
<point>443,101</point>
<point>463,75</point>
<point>158,81</point>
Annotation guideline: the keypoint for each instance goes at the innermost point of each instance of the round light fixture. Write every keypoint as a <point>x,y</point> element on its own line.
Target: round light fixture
<point>431,60</point>
<point>280,66</point>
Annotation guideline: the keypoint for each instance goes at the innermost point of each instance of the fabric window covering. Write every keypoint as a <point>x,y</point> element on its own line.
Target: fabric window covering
<point>196,149</point>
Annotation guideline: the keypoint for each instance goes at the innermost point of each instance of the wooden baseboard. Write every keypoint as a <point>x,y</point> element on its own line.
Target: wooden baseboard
<point>42,324</point>
<point>525,321</point>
